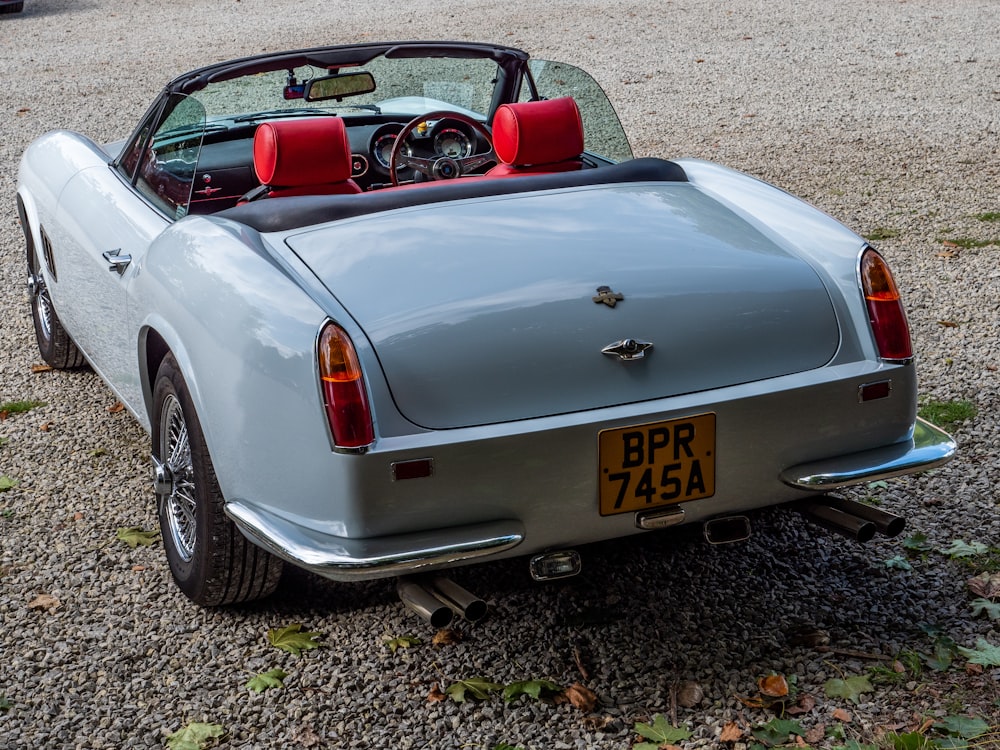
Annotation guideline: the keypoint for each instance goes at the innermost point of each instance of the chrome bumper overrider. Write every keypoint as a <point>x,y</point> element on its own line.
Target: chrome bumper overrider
<point>343,559</point>
<point>929,447</point>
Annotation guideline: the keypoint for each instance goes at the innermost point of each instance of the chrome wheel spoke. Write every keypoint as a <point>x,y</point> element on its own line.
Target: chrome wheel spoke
<point>180,505</point>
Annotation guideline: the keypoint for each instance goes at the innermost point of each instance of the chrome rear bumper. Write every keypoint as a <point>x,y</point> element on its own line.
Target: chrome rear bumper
<point>342,559</point>
<point>927,448</point>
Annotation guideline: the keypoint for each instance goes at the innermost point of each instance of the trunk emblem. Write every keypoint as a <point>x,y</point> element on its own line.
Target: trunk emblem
<point>627,350</point>
<point>609,298</point>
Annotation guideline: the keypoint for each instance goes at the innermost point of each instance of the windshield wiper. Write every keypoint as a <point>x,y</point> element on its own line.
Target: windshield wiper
<point>302,112</point>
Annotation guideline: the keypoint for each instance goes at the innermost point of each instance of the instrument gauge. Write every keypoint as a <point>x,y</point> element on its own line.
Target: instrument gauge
<point>452,143</point>
<point>382,150</point>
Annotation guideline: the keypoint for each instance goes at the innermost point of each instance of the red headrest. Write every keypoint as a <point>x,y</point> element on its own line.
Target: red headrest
<point>312,151</point>
<point>542,132</point>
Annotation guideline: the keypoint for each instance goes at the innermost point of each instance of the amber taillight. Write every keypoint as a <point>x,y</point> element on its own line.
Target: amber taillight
<point>344,393</point>
<point>885,309</point>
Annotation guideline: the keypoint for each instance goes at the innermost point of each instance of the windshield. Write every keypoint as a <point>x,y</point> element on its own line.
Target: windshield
<point>404,86</point>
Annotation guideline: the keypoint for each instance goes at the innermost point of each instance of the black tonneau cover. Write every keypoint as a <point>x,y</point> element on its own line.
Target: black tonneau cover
<point>281,214</point>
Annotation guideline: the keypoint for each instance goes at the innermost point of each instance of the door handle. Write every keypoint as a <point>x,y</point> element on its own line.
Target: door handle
<point>117,262</point>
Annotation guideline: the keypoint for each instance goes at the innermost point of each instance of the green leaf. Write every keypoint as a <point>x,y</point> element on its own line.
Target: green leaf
<point>910,741</point>
<point>966,727</point>
<point>777,731</point>
<point>985,605</point>
<point>984,653</point>
<point>403,641</point>
<point>478,688</point>
<point>899,563</point>
<point>7,483</point>
<point>660,732</point>
<point>917,543</point>
<point>194,736</point>
<point>5,704</point>
<point>531,688</point>
<point>4,441</point>
<point>961,548</point>
<point>273,678</point>
<point>133,536</point>
<point>292,639</point>
<point>943,656</point>
<point>849,689</point>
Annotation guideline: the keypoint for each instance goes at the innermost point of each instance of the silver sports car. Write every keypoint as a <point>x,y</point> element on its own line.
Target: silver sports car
<point>392,308</point>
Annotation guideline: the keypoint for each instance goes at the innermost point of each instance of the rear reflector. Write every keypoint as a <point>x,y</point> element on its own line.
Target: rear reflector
<point>885,309</point>
<point>344,392</point>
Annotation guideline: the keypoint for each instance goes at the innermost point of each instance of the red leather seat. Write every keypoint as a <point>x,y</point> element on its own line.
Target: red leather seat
<point>310,156</point>
<point>537,137</point>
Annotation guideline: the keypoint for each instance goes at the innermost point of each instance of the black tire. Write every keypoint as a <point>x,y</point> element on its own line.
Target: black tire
<point>211,561</point>
<point>12,8</point>
<point>54,344</point>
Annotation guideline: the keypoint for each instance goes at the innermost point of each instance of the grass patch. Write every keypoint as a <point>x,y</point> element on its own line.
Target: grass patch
<point>18,407</point>
<point>882,233</point>
<point>967,243</point>
<point>947,414</point>
<point>989,216</point>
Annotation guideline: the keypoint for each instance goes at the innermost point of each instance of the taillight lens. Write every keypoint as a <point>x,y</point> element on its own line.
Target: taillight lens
<point>344,390</point>
<point>885,309</point>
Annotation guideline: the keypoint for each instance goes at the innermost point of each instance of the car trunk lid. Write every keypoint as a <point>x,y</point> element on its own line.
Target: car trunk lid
<point>492,310</point>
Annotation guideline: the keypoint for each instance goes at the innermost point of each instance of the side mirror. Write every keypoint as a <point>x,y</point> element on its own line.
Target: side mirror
<point>339,86</point>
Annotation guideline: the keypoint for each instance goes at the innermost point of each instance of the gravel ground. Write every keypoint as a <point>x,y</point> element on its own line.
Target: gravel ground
<point>886,114</point>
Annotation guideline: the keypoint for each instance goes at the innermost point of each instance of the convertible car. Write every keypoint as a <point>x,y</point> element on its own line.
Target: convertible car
<point>387,309</point>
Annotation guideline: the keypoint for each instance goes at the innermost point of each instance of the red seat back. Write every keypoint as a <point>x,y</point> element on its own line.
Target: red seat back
<point>537,137</point>
<point>310,156</point>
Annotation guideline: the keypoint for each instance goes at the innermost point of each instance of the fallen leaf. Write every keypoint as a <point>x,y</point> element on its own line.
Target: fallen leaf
<point>435,695</point>
<point>597,723</point>
<point>403,641</point>
<point>4,413</point>
<point>532,688</point>
<point>986,585</point>
<point>841,715</point>
<point>45,601</point>
<point>78,516</point>
<point>581,697</point>
<point>581,667</point>
<point>306,736</point>
<point>803,705</point>
<point>45,426</point>
<point>41,368</point>
<point>447,637</point>
<point>134,536</point>
<point>477,687</point>
<point>138,568</point>
<point>194,735</point>
<point>773,685</point>
<point>949,243</point>
<point>850,688</point>
<point>689,694</point>
<point>116,407</point>
<point>293,639</point>
<point>731,732</point>
<point>274,678</point>
<point>814,735</point>
<point>947,254</point>
<point>948,323</point>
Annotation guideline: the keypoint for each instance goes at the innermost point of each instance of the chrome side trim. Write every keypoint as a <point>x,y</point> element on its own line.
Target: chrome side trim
<point>342,559</point>
<point>929,447</point>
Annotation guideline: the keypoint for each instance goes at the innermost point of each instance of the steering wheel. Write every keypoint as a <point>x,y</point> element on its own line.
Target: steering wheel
<point>439,167</point>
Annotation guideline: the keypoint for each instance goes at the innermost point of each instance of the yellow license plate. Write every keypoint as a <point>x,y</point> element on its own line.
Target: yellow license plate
<point>661,463</point>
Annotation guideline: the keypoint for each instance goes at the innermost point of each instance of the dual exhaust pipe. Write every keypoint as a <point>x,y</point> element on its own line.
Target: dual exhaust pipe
<point>852,519</point>
<point>437,599</point>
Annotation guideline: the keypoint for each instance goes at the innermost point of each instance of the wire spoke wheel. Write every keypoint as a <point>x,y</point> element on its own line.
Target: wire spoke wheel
<point>179,506</point>
<point>210,560</point>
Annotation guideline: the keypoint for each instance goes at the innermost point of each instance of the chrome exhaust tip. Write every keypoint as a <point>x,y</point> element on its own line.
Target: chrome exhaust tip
<point>460,601</point>
<point>845,524</point>
<point>424,603</point>
<point>850,518</point>
<point>726,530</point>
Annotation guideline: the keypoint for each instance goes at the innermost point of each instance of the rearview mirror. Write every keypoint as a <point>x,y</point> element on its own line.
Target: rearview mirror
<point>338,86</point>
